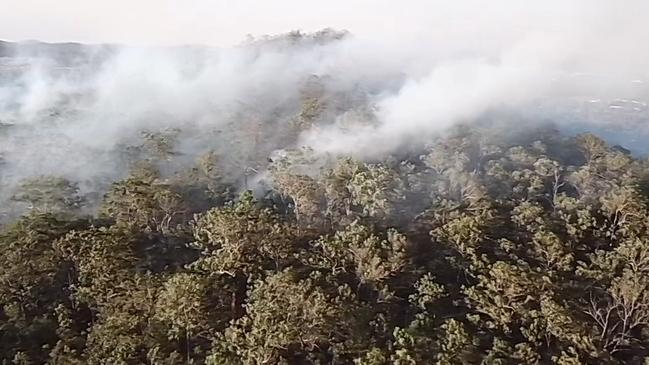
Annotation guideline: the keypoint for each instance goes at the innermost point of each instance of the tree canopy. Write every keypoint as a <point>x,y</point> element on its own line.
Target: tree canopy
<point>478,250</point>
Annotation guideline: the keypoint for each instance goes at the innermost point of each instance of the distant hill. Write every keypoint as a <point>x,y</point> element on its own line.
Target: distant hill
<point>63,54</point>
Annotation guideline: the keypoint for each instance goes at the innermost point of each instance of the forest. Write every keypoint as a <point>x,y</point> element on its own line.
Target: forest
<point>482,248</point>
<point>220,237</point>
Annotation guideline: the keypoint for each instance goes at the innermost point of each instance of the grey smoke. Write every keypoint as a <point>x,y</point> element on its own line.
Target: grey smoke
<point>68,113</point>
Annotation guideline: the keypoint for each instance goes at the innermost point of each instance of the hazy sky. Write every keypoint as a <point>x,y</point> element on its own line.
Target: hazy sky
<point>226,22</point>
<point>218,22</point>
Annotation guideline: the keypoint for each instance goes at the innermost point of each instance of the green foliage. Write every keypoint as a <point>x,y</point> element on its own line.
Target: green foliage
<point>242,237</point>
<point>49,194</point>
<point>427,292</point>
<point>143,203</point>
<point>285,318</point>
<point>359,251</point>
<point>483,250</point>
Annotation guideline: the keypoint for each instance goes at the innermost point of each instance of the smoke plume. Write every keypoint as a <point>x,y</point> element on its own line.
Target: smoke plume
<point>68,110</point>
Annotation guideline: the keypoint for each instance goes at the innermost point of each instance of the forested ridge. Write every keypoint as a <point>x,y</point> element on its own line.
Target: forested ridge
<point>478,250</point>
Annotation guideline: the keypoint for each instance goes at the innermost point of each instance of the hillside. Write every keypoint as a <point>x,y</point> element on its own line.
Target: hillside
<point>481,250</point>
<point>262,205</point>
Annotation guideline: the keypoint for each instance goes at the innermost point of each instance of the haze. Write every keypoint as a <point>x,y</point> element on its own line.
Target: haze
<point>417,67</point>
<point>173,22</point>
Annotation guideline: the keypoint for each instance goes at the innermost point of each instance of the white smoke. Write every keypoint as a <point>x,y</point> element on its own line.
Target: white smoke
<point>436,64</point>
<point>566,53</point>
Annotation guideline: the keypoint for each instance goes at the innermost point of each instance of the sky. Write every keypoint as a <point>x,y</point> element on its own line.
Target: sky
<point>216,22</point>
<point>227,22</point>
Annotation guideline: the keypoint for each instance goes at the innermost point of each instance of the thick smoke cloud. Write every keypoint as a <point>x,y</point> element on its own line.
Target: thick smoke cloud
<point>70,115</point>
<point>570,61</point>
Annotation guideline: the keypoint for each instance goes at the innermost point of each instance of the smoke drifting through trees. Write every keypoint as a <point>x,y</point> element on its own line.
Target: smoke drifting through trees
<point>414,202</point>
<point>69,110</point>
